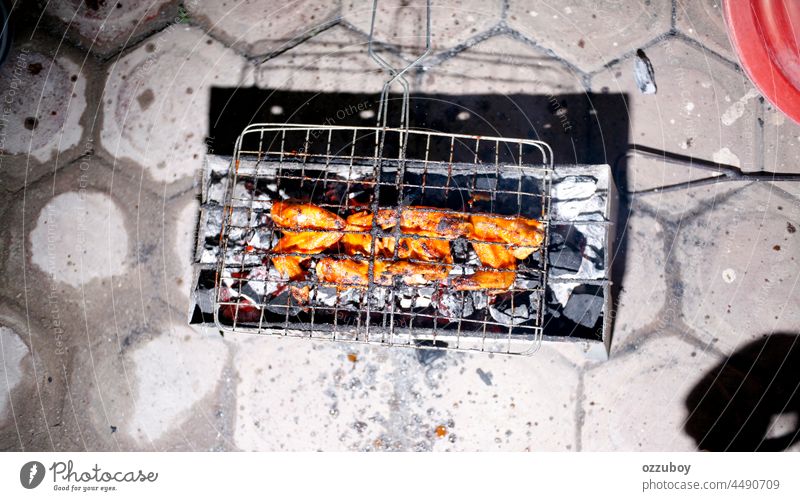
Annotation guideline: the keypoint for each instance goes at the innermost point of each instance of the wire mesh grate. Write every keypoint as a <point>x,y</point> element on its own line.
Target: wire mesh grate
<point>382,170</point>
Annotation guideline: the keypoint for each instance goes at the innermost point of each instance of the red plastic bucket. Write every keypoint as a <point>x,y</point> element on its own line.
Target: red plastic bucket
<point>766,37</point>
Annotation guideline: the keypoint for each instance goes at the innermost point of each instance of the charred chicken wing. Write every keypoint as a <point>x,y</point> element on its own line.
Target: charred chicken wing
<point>427,221</point>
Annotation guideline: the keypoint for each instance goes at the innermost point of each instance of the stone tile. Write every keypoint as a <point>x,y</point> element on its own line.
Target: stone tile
<point>704,21</point>
<point>781,142</point>
<point>45,98</point>
<point>173,373</point>
<point>56,246</point>
<point>258,29</point>
<point>643,293</point>
<point>402,24</point>
<point>496,407</point>
<point>636,402</point>
<point>155,113</point>
<point>703,109</point>
<point>500,65</point>
<point>295,394</point>
<point>106,27</point>
<point>181,234</point>
<point>590,34</point>
<point>30,382</point>
<point>739,269</point>
<point>74,233</point>
<point>336,60</point>
<point>14,351</point>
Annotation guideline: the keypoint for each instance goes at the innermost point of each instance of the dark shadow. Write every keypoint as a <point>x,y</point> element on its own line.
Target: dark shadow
<point>733,406</point>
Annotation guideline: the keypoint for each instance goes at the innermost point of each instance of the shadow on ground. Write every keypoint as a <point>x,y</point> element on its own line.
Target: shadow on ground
<point>735,406</point>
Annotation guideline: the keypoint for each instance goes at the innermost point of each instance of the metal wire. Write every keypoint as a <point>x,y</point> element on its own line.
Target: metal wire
<point>265,154</point>
<point>344,159</point>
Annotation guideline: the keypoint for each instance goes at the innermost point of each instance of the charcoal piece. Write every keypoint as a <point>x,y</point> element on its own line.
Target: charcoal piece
<point>584,309</point>
<point>513,309</point>
<point>451,304</point>
<point>644,74</point>
<point>566,260</point>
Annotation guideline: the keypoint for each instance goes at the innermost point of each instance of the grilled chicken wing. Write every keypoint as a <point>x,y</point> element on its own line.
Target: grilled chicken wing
<point>523,234</point>
<point>350,272</point>
<point>412,273</point>
<point>425,249</point>
<point>363,220</point>
<point>427,221</point>
<point>290,267</point>
<point>482,280</point>
<point>496,256</point>
<point>301,216</point>
<point>361,243</point>
<point>306,242</point>
<point>343,272</point>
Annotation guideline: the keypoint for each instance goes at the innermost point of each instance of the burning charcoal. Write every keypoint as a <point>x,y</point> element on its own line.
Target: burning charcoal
<point>452,304</point>
<point>574,187</point>
<point>566,260</point>
<point>584,309</point>
<point>213,222</point>
<point>460,249</point>
<point>516,312</point>
<point>284,301</point>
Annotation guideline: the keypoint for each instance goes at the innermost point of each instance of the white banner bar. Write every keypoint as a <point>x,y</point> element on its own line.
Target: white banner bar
<point>386,476</point>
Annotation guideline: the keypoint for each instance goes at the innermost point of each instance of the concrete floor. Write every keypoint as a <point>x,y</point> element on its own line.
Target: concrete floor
<point>103,141</point>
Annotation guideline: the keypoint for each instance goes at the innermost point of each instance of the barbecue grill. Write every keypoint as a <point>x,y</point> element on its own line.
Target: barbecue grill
<point>343,169</point>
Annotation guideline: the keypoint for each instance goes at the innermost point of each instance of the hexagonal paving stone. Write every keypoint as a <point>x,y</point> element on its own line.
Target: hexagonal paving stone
<point>13,351</point>
<point>702,109</point>
<point>739,267</point>
<point>590,33</point>
<point>336,60</point>
<point>403,23</point>
<point>500,65</point>
<point>256,28</point>
<point>703,20</point>
<point>161,123</point>
<point>637,402</point>
<point>77,233</point>
<point>105,27</point>
<point>171,374</point>
<point>73,257</point>
<point>44,100</point>
<point>295,394</point>
<point>643,291</point>
<point>781,142</point>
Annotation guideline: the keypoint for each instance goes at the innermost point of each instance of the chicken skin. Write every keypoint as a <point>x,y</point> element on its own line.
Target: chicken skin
<point>306,242</point>
<point>523,235</point>
<point>496,256</point>
<point>351,272</point>
<point>427,221</point>
<point>300,216</point>
<point>483,280</point>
